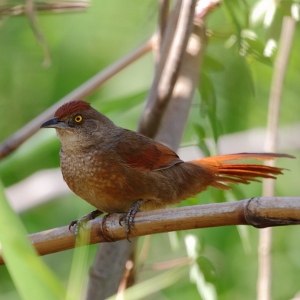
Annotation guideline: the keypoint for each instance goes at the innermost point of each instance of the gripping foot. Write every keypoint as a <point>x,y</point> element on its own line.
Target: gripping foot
<point>78,224</point>
<point>129,216</point>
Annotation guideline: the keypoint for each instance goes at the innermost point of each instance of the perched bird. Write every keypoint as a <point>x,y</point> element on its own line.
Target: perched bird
<point>121,171</point>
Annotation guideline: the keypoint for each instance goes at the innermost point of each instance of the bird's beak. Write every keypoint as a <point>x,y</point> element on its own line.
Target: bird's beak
<point>54,123</point>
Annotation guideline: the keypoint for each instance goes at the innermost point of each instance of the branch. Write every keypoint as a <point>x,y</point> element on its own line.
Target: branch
<point>162,21</point>
<point>83,91</point>
<point>173,49</point>
<point>259,212</point>
<point>19,9</point>
<point>104,273</point>
<point>174,120</point>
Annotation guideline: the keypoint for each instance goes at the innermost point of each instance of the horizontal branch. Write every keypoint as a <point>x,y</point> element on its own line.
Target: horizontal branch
<point>258,212</point>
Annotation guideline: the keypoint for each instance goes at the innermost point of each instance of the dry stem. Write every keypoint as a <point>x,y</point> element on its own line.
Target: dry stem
<point>258,212</point>
<point>173,49</point>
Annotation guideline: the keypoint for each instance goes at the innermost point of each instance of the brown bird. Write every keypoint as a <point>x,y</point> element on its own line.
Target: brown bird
<point>121,171</point>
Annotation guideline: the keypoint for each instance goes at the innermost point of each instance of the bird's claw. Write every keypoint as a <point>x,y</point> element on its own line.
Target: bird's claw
<point>78,224</point>
<point>128,217</point>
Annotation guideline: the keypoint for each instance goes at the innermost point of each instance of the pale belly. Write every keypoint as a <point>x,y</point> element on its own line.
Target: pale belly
<point>100,183</point>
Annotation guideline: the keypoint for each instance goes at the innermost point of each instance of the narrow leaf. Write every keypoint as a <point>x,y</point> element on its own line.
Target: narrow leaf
<point>30,275</point>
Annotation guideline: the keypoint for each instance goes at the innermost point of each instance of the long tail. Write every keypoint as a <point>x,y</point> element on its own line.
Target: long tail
<point>239,173</point>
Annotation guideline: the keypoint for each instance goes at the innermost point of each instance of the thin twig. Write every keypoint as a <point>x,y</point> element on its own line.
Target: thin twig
<point>258,212</point>
<point>31,14</point>
<point>265,236</point>
<point>83,91</point>
<point>58,7</point>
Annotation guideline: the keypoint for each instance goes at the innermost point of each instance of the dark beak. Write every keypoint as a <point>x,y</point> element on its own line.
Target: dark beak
<point>54,123</point>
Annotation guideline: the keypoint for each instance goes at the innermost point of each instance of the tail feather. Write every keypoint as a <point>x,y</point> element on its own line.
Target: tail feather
<point>239,173</point>
<point>240,156</point>
<point>249,170</point>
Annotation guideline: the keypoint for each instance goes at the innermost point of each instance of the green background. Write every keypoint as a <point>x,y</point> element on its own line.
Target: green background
<point>82,44</point>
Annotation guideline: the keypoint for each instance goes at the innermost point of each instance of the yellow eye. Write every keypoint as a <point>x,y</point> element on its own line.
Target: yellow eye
<point>78,119</point>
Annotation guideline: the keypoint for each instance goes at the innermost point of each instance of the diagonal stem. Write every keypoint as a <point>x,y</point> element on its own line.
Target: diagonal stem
<point>167,73</point>
<point>83,91</point>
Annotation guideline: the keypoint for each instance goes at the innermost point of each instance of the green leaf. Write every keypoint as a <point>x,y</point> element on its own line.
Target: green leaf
<point>78,272</point>
<point>207,268</point>
<point>206,289</point>
<point>211,64</point>
<point>238,14</point>
<point>255,48</point>
<point>31,276</point>
<point>201,139</point>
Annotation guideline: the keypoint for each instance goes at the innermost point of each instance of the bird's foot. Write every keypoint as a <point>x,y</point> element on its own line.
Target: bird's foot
<point>78,224</point>
<point>129,216</point>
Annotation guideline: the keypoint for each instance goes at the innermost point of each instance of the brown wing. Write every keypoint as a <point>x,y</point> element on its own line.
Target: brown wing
<point>144,154</point>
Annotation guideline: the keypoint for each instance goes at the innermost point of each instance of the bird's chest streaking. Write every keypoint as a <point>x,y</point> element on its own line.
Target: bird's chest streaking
<point>95,178</point>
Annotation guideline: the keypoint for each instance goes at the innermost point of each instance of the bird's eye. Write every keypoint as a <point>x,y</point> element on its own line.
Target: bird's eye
<point>78,118</point>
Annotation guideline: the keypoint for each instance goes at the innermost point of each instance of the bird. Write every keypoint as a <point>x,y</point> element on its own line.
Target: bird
<point>117,170</point>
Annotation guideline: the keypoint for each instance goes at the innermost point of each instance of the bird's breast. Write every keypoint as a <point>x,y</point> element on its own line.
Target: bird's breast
<point>97,178</point>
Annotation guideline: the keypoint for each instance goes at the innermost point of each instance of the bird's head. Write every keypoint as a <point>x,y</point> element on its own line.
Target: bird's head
<point>77,123</point>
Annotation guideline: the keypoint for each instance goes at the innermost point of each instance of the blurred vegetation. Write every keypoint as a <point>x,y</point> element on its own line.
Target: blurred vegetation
<point>237,91</point>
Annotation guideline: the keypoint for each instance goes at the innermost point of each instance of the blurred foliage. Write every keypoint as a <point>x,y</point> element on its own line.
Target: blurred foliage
<point>22,260</point>
<point>237,79</point>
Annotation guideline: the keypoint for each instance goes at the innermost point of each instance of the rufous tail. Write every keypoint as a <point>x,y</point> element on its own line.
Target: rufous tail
<point>239,173</point>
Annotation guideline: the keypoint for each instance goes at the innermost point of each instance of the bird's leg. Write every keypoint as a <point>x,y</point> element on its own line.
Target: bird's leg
<point>128,217</point>
<point>83,220</point>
